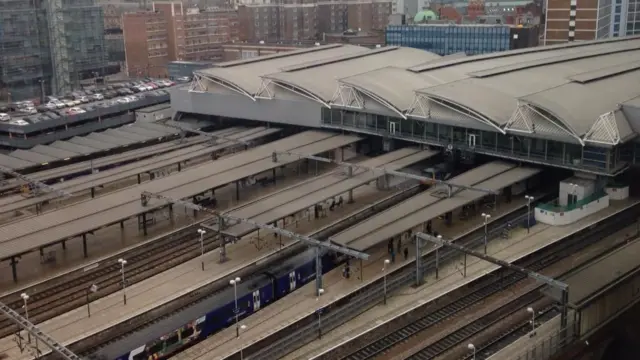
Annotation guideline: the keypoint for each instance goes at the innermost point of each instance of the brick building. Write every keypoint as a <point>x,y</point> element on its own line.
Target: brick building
<point>569,20</point>
<point>291,21</point>
<point>173,32</point>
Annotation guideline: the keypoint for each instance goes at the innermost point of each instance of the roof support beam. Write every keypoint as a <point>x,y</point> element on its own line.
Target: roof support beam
<point>226,84</point>
<point>384,171</point>
<point>38,334</point>
<point>233,220</point>
<point>212,137</point>
<point>38,186</point>
<point>559,285</point>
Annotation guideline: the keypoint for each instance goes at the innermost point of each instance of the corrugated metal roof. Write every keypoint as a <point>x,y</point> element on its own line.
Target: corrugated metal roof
<point>156,127</point>
<point>53,151</point>
<point>91,143</point>
<point>246,75</point>
<point>77,148</point>
<point>32,156</point>
<point>109,139</point>
<point>15,163</point>
<point>145,132</point>
<point>125,134</point>
<point>322,80</point>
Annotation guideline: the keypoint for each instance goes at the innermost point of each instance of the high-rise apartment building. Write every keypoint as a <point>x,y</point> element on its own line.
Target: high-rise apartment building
<point>173,32</point>
<point>576,20</point>
<point>48,46</point>
<point>295,21</point>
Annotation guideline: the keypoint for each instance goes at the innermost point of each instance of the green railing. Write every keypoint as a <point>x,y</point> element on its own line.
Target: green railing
<point>554,207</point>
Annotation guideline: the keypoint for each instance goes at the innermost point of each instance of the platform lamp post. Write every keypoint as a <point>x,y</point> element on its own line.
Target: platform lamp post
<point>123,262</point>
<point>533,318</point>
<point>25,299</point>
<point>529,199</point>
<point>92,289</point>
<point>472,348</point>
<point>384,279</point>
<point>234,283</point>
<point>242,328</point>
<point>486,235</point>
<point>320,292</point>
<point>202,232</point>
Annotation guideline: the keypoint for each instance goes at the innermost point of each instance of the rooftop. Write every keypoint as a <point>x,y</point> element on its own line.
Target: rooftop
<point>570,92</point>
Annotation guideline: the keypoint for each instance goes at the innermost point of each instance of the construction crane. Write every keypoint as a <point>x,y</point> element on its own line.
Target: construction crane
<point>384,171</point>
<point>34,187</point>
<point>228,220</point>
<point>38,334</point>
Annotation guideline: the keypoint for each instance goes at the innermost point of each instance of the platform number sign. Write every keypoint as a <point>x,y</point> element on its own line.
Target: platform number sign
<point>292,281</point>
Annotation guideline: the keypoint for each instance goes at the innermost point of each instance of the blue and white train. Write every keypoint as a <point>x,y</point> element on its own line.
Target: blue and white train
<point>217,311</point>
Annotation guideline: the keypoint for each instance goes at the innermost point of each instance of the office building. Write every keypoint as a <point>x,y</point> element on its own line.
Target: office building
<point>172,32</point>
<point>49,46</point>
<point>472,39</point>
<point>572,20</point>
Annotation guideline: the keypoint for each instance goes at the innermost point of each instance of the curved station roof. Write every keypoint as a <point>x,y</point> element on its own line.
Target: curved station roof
<point>571,92</point>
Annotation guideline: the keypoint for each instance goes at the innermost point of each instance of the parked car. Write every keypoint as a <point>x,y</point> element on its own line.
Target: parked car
<point>52,115</point>
<point>76,110</point>
<point>97,96</point>
<point>84,99</point>
<point>19,122</point>
<point>69,103</point>
<point>183,79</point>
<point>4,117</point>
<point>30,110</point>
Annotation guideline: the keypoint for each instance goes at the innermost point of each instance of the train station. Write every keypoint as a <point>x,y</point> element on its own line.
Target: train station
<point>338,202</point>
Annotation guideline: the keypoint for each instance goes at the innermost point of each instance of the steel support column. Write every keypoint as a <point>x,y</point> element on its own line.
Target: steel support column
<point>223,241</point>
<point>419,273</point>
<point>14,268</point>
<point>84,246</point>
<point>318,271</point>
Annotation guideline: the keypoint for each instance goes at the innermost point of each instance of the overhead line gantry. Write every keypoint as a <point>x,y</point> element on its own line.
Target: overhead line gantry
<point>212,137</point>
<point>562,287</point>
<point>224,220</point>
<point>38,186</point>
<point>31,329</point>
<point>384,171</point>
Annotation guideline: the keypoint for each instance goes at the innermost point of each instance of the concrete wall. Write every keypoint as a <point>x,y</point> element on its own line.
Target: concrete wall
<point>617,193</point>
<point>291,110</point>
<point>571,216</point>
<point>151,116</point>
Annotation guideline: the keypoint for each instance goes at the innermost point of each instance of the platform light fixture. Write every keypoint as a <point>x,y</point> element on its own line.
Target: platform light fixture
<point>243,328</point>
<point>202,232</point>
<point>25,299</point>
<point>472,348</point>
<point>319,311</point>
<point>92,289</point>
<point>123,262</point>
<point>531,311</point>
<point>529,200</point>
<point>384,278</point>
<point>486,218</point>
<point>236,310</point>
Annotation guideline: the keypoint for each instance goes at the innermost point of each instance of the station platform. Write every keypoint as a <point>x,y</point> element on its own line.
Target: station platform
<point>315,191</point>
<point>303,302</point>
<point>104,181</point>
<point>104,242</point>
<point>493,176</point>
<point>106,161</point>
<point>173,283</point>
<point>79,219</point>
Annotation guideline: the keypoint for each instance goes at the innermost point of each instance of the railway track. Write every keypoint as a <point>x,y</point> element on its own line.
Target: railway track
<point>60,295</point>
<point>481,292</point>
<point>504,339</point>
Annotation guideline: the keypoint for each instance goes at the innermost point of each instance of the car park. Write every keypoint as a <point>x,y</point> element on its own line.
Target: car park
<point>52,115</point>
<point>19,122</point>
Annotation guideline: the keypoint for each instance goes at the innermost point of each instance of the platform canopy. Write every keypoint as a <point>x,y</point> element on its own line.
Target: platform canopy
<point>574,92</point>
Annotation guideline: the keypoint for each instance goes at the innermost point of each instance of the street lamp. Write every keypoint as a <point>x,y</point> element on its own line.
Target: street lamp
<point>234,283</point>
<point>486,218</point>
<point>92,289</point>
<point>472,348</point>
<point>243,328</point>
<point>123,262</point>
<point>320,292</point>
<point>384,277</point>
<point>202,232</point>
<point>529,199</point>
<point>25,298</point>
<point>533,318</point>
